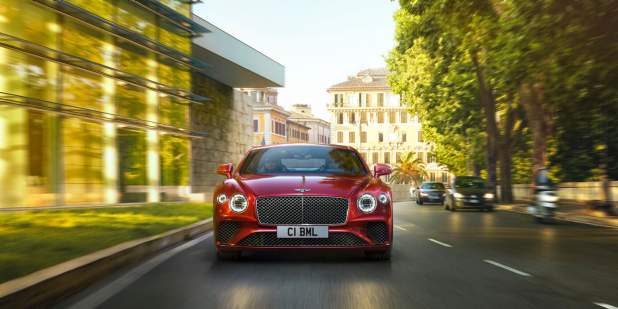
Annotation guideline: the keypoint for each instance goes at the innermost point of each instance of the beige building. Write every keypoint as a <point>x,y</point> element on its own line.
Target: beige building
<point>319,129</point>
<point>368,116</point>
<point>272,123</point>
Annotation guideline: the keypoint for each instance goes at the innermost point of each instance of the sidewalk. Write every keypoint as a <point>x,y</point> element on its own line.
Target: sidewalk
<point>570,212</point>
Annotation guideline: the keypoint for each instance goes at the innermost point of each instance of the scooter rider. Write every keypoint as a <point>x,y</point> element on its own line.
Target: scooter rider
<point>544,195</point>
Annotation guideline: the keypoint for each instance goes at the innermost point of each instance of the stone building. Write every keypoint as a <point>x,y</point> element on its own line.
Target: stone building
<point>106,102</point>
<point>319,129</point>
<point>272,123</point>
<point>368,116</point>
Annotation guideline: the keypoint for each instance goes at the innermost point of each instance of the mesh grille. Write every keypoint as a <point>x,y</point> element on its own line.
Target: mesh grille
<point>378,232</point>
<point>269,239</point>
<point>302,210</point>
<point>226,231</point>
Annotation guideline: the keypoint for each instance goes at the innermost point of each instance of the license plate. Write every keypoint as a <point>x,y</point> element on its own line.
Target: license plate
<point>474,201</point>
<point>302,231</point>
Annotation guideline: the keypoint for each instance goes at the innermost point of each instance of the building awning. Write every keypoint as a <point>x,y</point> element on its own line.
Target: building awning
<point>234,63</point>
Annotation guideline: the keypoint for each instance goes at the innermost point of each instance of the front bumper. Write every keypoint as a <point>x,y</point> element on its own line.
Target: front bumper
<point>466,203</point>
<point>368,234</point>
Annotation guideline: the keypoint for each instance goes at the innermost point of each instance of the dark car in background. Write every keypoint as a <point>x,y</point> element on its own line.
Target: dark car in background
<point>469,192</point>
<point>430,192</point>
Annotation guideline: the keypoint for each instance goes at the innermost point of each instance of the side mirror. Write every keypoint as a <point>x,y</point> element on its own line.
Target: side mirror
<point>381,170</point>
<point>225,169</point>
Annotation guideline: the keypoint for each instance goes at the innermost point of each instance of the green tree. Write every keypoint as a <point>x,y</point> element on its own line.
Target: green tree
<point>410,170</point>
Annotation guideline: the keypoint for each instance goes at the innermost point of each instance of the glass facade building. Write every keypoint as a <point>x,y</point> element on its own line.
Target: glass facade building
<point>95,100</point>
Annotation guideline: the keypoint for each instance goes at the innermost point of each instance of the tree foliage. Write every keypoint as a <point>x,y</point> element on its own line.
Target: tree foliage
<point>410,170</point>
<point>529,83</point>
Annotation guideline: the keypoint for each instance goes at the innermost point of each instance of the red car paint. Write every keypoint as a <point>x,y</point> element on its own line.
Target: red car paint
<point>348,187</point>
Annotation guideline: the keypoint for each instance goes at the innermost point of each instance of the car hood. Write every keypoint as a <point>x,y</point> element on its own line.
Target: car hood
<point>267,185</point>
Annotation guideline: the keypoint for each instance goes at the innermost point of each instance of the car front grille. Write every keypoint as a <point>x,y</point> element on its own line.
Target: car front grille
<point>226,231</point>
<point>269,239</point>
<point>302,210</point>
<point>378,232</point>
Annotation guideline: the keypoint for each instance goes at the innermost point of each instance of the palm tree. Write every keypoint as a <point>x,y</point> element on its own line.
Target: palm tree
<point>409,170</point>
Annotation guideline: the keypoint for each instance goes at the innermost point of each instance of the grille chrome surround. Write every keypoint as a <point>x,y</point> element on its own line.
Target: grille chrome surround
<point>335,239</point>
<point>293,210</point>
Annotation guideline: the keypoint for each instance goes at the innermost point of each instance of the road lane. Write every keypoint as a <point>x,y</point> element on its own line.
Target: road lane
<point>421,274</point>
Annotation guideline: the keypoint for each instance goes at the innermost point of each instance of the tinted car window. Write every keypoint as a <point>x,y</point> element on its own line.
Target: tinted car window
<point>432,186</point>
<point>470,182</point>
<point>303,160</point>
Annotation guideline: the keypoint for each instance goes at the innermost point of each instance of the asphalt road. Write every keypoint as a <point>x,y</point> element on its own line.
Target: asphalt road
<point>465,259</point>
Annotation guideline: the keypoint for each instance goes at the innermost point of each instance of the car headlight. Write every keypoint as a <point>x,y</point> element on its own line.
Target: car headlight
<point>383,198</point>
<point>238,203</point>
<point>488,196</point>
<point>221,198</point>
<point>367,203</point>
<point>423,194</point>
<point>458,195</point>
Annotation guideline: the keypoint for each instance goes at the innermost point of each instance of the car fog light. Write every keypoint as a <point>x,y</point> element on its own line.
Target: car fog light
<point>367,203</point>
<point>383,198</point>
<point>238,203</point>
<point>458,195</point>
<point>221,198</point>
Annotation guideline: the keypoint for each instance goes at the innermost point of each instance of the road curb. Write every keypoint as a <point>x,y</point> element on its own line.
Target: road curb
<point>46,287</point>
<point>562,216</point>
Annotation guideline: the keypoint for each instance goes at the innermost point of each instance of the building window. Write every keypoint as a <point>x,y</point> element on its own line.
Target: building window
<point>351,137</point>
<point>398,157</point>
<point>380,99</point>
<point>375,157</point>
<point>279,128</point>
<point>420,137</point>
<point>340,137</point>
<point>363,117</point>
<point>433,176</point>
<point>360,99</point>
<point>340,118</point>
<point>380,137</point>
<point>404,137</point>
<point>404,117</point>
<point>367,99</point>
<point>363,137</point>
<point>255,125</point>
<point>364,156</point>
<point>387,157</point>
<point>352,117</point>
<point>380,117</point>
<point>444,177</point>
<point>392,117</point>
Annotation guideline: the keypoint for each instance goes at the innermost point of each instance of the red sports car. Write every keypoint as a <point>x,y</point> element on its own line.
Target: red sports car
<point>303,196</point>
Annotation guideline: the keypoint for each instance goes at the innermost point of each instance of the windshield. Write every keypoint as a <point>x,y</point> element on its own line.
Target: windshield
<point>470,182</point>
<point>303,160</point>
<point>432,186</point>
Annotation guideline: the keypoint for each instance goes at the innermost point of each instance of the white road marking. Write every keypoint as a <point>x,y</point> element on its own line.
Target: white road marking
<point>606,306</point>
<point>100,296</point>
<point>400,228</point>
<point>511,269</point>
<point>439,242</point>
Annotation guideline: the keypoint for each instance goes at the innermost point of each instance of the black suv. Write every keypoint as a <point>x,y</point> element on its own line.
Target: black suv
<point>430,192</point>
<point>469,192</point>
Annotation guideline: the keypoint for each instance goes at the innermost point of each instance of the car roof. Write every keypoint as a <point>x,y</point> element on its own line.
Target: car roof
<point>303,144</point>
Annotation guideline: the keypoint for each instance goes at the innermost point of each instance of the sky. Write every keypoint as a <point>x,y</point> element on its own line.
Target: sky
<point>320,42</point>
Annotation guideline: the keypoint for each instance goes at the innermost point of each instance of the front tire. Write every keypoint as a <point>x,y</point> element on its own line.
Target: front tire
<point>378,255</point>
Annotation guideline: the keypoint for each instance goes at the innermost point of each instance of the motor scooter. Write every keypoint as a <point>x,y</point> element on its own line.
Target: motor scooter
<point>545,202</point>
